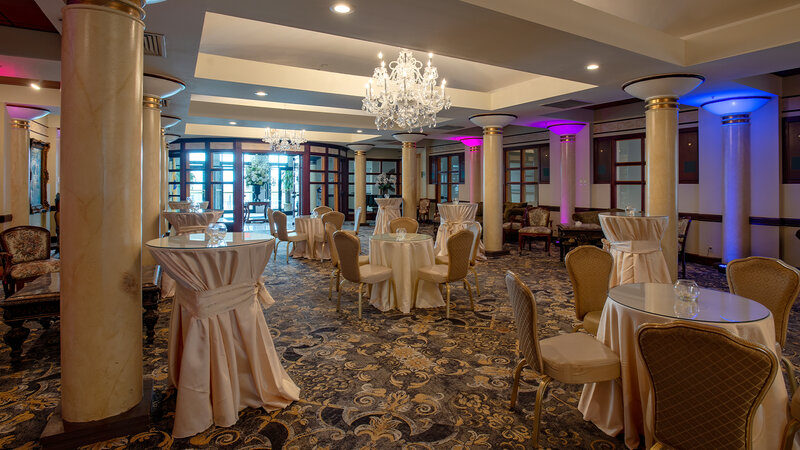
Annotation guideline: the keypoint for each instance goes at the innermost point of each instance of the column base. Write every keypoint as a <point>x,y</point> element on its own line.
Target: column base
<point>496,254</point>
<point>60,434</point>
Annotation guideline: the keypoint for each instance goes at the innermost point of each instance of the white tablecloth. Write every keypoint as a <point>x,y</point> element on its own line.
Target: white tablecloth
<point>191,222</point>
<point>221,355</point>
<point>310,248</point>
<point>388,209</point>
<point>186,205</point>
<point>455,218</point>
<point>636,247</point>
<point>615,407</point>
<point>404,257</point>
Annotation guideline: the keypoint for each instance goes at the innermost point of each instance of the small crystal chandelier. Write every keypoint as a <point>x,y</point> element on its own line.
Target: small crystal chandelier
<point>406,98</point>
<point>284,140</point>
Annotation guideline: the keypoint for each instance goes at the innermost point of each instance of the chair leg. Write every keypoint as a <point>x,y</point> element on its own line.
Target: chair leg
<point>547,246</point>
<point>287,252</point>
<point>360,288</point>
<point>520,242</point>
<point>789,374</point>
<point>275,251</point>
<point>537,414</point>
<point>515,386</point>
<point>334,279</point>
<point>339,300</point>
<point>789,432</point>
<point>448,301</point>
<point>469,291</point>
<point>477,286</point>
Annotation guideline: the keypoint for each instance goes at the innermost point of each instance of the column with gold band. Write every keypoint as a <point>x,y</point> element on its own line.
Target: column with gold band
<point>409,177</point>
<point>361,178</point>
<point>473,148</point>
<point>568,132</point>
<point>16,184</point>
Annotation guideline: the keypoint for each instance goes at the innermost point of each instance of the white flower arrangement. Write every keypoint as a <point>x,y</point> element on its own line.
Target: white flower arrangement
<point>258,172</point>
<point>385,182</point>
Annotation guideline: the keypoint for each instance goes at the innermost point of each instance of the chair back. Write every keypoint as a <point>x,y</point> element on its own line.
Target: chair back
<point>475,228</point>
<point>408,223</point>
<point>707,384</point>
<point>769,281</point>
<point>26,243</point>
<point>459,247</point>
<point>329,230</point>
<point>320,210</point>
<point>589,270</point>
<point>357,219</point>
<point>280,225</point>
<point>683,231</point>
<point>348,248</point>
<point>524,305</point>
<point>424,206</point>
<point>334,217</point>
<point>538,217</point>
<point>271,223</point>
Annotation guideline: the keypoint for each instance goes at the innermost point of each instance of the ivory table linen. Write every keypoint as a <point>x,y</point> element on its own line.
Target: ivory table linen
<point>388,209</point>
<point>311,248</point>
<point>184,205</point>
<point>635,244</point>
<point>454,218</point>
<point>221,355</point>
<point>625,405</point>
<point>184,222</point>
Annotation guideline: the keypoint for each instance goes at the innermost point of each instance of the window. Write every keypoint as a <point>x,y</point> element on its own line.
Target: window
<point>522,174</point>
<point>374,168</point>
<point>447,172</point>
<point>627,187</point>
<point>688,156</point>
<point>325,173</point>
<point>790,158</point>
<point>174,176</point>
<point>603,157</point>
<point>196,179</point>
<point>222,184</point>
<point>544,164</point>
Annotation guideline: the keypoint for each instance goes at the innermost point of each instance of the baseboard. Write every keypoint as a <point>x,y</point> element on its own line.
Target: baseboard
<point>705,260</point>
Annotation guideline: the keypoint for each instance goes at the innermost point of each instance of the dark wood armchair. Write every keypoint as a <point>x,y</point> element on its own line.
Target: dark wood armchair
<point>25,256</point>
<point>423,210</point>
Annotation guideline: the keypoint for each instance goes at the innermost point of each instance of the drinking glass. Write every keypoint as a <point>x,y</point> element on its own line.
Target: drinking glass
<point>686,290</point>
<point>215,233</point>
<point>630,210</point>
<point>401,234</point>
<point>455,202</point>
<point>686,310</point>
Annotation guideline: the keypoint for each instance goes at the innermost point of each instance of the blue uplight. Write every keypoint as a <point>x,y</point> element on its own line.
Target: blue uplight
<point>735,105</point>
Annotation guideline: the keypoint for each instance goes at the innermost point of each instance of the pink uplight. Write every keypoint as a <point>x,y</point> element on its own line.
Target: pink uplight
<point>566,128</point>
<point>472,141</point>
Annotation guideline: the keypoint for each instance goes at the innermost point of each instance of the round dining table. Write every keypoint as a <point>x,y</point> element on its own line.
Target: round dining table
<point>454,218</point>
<point>625,405</point>
<point>388,210</point>
<point>404,255</point>
<point>221,355</point>
<point>634,241</point>
<point>312,247</point>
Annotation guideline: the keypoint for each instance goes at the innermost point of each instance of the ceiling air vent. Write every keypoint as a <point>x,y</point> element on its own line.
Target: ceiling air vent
<point>448,127</point>
<point>566,104</point>
<point>154,44</point>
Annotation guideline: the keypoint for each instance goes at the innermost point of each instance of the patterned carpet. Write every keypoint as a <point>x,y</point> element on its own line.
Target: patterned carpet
<point>391,380</point>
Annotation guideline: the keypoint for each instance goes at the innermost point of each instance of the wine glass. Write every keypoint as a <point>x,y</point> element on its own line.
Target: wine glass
<point>686,290</point>
<point>401,234</point>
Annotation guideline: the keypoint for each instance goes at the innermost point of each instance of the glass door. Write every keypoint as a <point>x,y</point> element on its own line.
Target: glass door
<point>222,184</point>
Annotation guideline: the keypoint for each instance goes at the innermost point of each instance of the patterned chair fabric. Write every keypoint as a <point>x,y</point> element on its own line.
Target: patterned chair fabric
<point>589,270</point>
<point>26,255</point>
<point>538,217</point>
<point>707,384</point>
<point>423,209</point>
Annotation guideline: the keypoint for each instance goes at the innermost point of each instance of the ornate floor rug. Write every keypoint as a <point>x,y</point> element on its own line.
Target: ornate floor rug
<point>391,380</point>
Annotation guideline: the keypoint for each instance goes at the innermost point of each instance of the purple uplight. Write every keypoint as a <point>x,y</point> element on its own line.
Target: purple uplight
<point>472,141</point>
<point>566,128</point>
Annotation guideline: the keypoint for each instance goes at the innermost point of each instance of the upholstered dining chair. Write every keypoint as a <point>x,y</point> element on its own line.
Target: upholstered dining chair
<point>456,269</point>
<point>571,358</point>
<point>683,233</point>
<point>336,219</point>
<point>707,384</point>
<point>423,209</point>
<point>272,228</point>
<point>320,210</point>
<point>774,284</point>
<point>348,247</point>
<point>285,235</point>
<point>336,274</point>
<point>357,220</point>
<point>589,270</point>
<point>25,256</point>
<point>536,225</point>
<point>475,228</point>
<point>408,223</point>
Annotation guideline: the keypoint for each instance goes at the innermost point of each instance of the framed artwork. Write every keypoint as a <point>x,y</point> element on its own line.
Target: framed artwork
<point>38,176</point>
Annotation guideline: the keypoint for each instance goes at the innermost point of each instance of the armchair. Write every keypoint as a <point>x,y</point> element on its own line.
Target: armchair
<point>25,256</point>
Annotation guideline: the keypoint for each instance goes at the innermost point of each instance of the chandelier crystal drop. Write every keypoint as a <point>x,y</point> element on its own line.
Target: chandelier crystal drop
<point>405,96</point>
<point>284,140</point>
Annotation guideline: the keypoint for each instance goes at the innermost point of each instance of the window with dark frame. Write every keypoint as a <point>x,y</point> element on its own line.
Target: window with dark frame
<point>790,151</point>
<point>522,173</point>
<point>446,172</point>
<point>374,168</point>
<point>688,156</point>
<point>619,161</point>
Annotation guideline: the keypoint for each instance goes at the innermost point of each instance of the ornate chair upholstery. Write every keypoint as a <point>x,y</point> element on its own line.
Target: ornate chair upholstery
<point>320,210</point>
<point>774,284</point>
<point>537,225</point>
<point>408,223</point>
<point>683,232</point>
<point>285,235</point>
<point>337,220</point>
<point>423,209</point>
<point>589,270</point>
<point>348,247</point>
<point>513,217</point>
<point>707,384</point>
<point>459,247</point>
<point>336,274</point>
<point>26,256</point>
<point>572,358</point>
<point>475,228</point>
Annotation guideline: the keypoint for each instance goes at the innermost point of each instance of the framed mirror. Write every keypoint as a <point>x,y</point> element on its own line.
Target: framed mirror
<point>38,176</point>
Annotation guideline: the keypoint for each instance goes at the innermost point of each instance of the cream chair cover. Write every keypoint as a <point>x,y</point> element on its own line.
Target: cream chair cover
<point>221,355</point>
<point>635,244</point>
<point>191,222</point>
<point>186,205</point>
<point>455,218</point>
<point>625,405</point>
<point>404,258</point>
<point>388,209</point>
<point>312,247</point>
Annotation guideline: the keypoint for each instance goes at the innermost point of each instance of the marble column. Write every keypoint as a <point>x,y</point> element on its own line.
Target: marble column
<point>101,195</point>
<point>473,145</point>
<point>361,178</point>
<point>493,177</point>
<point>410,175</point>
<point>567,132</point>
<point>661,93</point>
<point>735,113</point>
<point>18,171</point>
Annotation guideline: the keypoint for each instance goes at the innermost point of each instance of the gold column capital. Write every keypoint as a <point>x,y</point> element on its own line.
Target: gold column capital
<point>133,8</point>
<point>568,138</point>
<point>492,130</point>
<point>20,123</point>
<point>661,103</point>
<point>735,119</point>
<point>151,102</point>
<point>409,145</point>
<point>361,153</point>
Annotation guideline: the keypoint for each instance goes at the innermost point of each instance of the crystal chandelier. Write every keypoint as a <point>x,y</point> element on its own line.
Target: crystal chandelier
<point>406,98</point>
<point>284,140</point>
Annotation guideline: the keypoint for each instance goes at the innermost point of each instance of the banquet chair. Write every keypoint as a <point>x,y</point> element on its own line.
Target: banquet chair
<point>537,224</point>
<point>589,270</point>
<point>774,284</point>
<point>320,210</point>
<point>408,223</point>
<point>571,358</point>
<point>456,269</point>
<point>423,209</point>
<point>356,222</point>
<point>707,384</point>
<point>272,229</point>
<point>348,247</point>
<point>336,274</point>
<point>336,219</point>
<point>475,228</point>
<point>25,256</point>
<point>285,235</point>
<point>683,233</point>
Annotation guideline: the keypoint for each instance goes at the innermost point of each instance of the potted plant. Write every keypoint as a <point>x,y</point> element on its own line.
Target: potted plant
<point>385,183</point>
<point>258,175</point>
<point>288,187</point>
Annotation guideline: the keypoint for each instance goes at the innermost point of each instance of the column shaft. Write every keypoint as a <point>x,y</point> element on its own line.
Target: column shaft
<point>409,180</point>
<point>19,204</point>
<point>361,183</point>
<point>661,190</point>
<point>164,182</point>
<point>736,191</point>
<point>151,174</point>
<point>475,194</point>
<point>493,176</point>
<point>101,192</point>
<point>567,207</point>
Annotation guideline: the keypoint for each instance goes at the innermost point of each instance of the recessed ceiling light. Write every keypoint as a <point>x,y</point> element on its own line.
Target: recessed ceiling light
<point>592,67</point>
<point>341,8</point>
<point>261,93</point>
<point>232,122</point>
<point>359,131</point>
<point>35,86</point>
